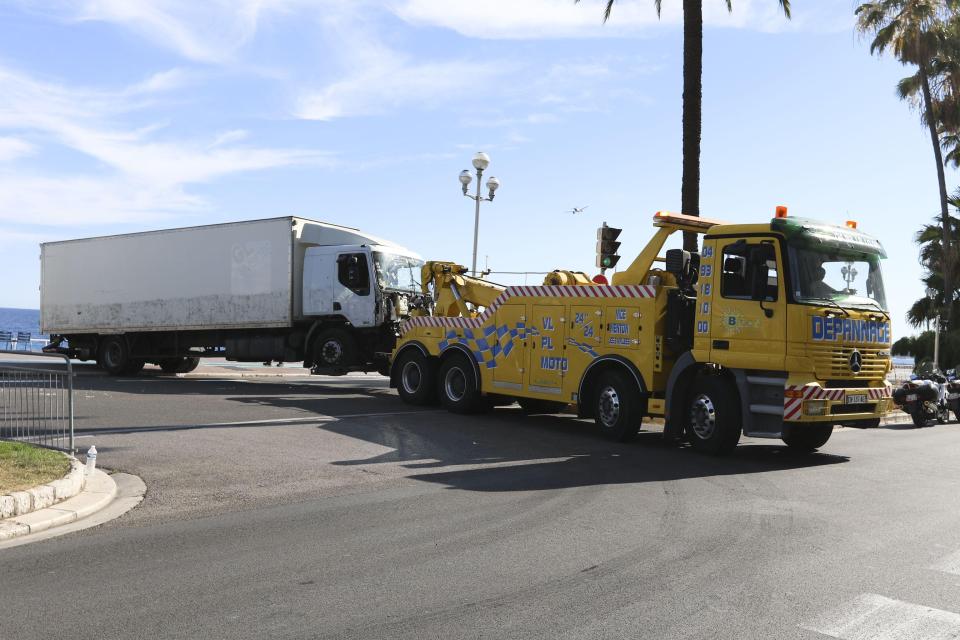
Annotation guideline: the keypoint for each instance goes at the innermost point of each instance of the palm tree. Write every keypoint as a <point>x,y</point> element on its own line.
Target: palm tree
<point>692,102</point>
<point>930,239</point>
<point>914,31</point>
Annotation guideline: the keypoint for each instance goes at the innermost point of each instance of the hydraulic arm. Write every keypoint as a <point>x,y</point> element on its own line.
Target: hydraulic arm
<point>453,289</point>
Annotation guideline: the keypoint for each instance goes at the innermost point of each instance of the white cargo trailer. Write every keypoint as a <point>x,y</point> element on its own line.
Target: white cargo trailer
<point>281,289</point>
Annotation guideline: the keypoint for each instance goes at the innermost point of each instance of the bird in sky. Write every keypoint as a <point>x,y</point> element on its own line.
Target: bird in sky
<point>577,210</point>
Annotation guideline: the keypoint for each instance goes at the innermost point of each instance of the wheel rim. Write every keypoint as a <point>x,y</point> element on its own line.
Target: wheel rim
<point>332,351</point>
<point>411,376</point>
<point>703,417</point>
<point>455,384</point>
<point>113,354</point>
<point>609,407</point>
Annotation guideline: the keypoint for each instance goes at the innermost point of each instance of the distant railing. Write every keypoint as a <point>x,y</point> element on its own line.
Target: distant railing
<point>36,399</point>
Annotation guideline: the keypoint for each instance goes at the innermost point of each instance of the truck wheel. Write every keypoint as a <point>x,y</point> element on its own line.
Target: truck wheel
<point>113,356</point>
<point>188,365</point>
<point>807,438</point>
<point>458,386</point>
<point>535,405</point>
<point>334,348</point>
<point>170,365</point>
<point>416,378</point>
<point>134,366</point>
<point>617,401</point>
<point>713,416</point>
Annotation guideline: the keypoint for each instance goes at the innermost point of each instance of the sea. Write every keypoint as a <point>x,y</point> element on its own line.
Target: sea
<point>14,320</point>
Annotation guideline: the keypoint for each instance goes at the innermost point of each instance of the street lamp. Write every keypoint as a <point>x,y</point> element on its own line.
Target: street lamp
<point>480,162</point>
<point>932,295</point>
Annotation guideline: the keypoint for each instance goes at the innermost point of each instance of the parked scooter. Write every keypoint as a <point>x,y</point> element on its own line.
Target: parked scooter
<point>925,399</point>
<point>953,392</point>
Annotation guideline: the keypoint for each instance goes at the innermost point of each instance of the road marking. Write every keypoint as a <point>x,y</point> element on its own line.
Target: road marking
<point>244,423</point>
<point>950,564</point>
<point>875,617</point>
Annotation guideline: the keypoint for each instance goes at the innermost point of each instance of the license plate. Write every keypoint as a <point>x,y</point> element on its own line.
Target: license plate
<point>856,398</point>
<point>911,397</point>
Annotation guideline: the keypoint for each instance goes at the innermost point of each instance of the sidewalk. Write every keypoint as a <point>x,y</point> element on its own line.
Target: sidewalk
<point>100,491</point>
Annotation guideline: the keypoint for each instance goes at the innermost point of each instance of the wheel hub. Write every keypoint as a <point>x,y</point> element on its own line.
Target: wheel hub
<point>609,406</point>
<point>703,417</point>
<point>411,377</point>
<point>332,352</point>
<point>455,384</point>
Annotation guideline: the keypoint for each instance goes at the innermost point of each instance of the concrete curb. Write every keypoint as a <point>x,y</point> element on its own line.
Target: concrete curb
<point>20,503</point>
<point>98,492</point>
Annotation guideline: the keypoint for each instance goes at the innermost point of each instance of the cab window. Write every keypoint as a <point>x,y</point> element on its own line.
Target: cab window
<point>353,272</point>
<point>743,271</point>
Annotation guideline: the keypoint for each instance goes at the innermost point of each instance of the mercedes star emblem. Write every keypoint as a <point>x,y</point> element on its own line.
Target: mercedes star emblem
<point>856,361</point>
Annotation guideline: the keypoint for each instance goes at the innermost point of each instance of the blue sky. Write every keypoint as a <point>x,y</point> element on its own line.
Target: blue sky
<point>125,115</point>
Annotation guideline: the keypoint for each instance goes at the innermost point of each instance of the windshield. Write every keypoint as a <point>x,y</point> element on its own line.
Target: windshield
<point>836,274</point>
<point>397,272</point>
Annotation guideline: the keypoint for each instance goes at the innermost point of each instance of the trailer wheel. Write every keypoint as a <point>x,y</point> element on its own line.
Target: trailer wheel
<point>189,364</point>
<point>535,405</point>
<point>178,365</point>
<point>416,378</point>
<point>113,356</point>
<point>713,416</point>
<point>134,366</point>
<point>807,438</point>
<point>618,411</point>
<point>334,348</point>
<point>458,386</point>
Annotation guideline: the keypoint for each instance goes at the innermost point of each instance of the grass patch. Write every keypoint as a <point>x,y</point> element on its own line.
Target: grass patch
<point>23,466</point>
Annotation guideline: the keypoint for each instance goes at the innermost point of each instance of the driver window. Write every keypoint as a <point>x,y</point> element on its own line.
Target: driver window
<point>354,273</point>
<point>740,267</point>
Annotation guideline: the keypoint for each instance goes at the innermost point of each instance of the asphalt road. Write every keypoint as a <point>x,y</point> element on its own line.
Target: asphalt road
<point>297,507</point>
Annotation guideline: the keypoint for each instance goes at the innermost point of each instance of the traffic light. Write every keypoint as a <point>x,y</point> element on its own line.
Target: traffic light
<point>607,246</point>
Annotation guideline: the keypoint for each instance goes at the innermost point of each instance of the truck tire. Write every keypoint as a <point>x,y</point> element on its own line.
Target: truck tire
<point>535,405</point>
<point>713,416</point>
<point>134,366</point>
<point>334,348</point>
<point>458,387</point>
<point>617,403</point>
<point>416,378</point>
<point>113,355</point>
<point>807,438</point>
<point>179,365</point>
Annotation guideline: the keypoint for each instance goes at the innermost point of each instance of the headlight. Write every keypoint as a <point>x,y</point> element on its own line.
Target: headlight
<point>815,407</point>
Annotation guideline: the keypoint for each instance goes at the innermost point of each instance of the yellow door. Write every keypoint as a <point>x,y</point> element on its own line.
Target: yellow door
<point>745,332</point>
<point>507,347</point>
<point>545,338</point>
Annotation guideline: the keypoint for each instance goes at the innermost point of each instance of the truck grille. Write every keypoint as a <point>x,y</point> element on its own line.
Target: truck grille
<point>833,362</point>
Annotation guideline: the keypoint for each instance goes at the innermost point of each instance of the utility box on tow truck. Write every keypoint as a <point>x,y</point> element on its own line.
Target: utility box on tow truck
<point>773,330</point>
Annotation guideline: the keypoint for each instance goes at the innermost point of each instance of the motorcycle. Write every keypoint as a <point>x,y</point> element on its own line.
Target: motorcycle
<point>925,399</point>
<point>953,392</point>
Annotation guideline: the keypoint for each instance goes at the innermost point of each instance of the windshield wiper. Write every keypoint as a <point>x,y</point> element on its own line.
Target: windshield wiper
<point>834,303</point>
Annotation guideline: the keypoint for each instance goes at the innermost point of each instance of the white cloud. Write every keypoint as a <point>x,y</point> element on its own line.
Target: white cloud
<point>136,176</point>
<point>13,148</point>
<point>389,84</point>
<point>532,19</point>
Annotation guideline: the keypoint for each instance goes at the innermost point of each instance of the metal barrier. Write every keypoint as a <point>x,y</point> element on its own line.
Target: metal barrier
<point>36,400</point>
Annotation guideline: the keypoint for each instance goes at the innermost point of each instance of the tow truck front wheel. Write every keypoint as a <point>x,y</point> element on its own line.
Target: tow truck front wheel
<point>713,416</point>
<point>807,437</point>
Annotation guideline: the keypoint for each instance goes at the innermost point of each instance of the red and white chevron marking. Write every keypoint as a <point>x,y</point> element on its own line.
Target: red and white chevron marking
<point>793,406</point>
<point>559,291</point>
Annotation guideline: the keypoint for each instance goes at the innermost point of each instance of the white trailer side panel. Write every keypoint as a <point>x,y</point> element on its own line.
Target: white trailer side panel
<point>235,275</point>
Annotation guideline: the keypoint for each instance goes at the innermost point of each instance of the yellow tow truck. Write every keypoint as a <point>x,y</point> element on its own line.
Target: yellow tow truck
<point>772,330</point>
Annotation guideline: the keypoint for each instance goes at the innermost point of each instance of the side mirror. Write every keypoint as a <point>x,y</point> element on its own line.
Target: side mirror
<point>678,263</point>
<point>758,285</point>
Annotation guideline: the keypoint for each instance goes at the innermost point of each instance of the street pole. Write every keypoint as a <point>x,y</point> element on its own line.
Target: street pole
<point>476,223</point>
<point>936,343</point>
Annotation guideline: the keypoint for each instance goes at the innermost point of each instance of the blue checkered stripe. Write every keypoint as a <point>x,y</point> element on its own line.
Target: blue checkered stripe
<point>488,344</point>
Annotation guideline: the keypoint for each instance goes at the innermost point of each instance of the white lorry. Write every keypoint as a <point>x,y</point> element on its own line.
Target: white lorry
<point>281,289</point>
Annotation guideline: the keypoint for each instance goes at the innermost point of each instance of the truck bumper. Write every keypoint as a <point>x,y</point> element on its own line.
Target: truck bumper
<point>813,403</point>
